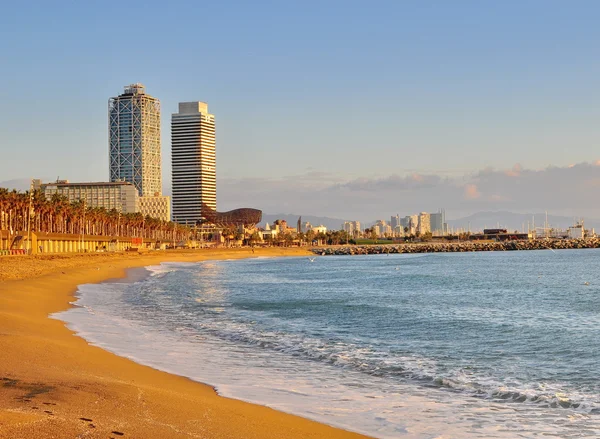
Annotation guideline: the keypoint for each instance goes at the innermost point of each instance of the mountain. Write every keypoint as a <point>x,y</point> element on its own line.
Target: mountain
<point>292,219</point>
<point>20,184</point>
<point>516,221</point>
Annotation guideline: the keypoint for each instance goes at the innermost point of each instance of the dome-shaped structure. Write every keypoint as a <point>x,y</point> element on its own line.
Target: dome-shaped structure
<point>238,217</point>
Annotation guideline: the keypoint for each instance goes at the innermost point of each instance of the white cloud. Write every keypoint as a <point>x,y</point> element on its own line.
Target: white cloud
<point>570,190</point>
<point>471,192</point>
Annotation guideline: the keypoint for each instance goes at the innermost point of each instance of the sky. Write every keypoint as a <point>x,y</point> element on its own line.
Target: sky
<point>348,109</point>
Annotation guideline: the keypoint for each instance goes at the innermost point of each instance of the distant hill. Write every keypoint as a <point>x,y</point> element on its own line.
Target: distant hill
<point>292,219</point>
<point>516,221</point>
<point>20,184</point>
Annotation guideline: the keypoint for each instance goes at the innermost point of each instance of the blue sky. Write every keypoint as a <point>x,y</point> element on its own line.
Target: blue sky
<point>312,95</point>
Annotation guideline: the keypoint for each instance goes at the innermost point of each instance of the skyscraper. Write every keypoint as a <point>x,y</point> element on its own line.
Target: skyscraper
<point>134,140</point>
<point>438,222</point>
<point>134,148</point>
<point>194,162</point>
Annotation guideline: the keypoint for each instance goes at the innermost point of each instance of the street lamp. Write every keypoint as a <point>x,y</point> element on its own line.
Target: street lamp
<point>82,228</point>
<point>29,218</point>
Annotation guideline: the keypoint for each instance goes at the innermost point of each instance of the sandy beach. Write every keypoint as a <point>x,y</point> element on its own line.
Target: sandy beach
<point>54,385</point>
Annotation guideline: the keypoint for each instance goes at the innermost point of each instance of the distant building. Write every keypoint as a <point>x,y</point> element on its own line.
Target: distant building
<point>319,229</point>
<point>395,221</point>
<point>352,228</point>
<point>269,233</point>
<point>193,162</point>
<point>383,229</point>
<point>576,232</point>
<point>438,223</point>
<point>398,231</point>
<point>411,222</point>
<point>306,227</point>
<point>495,231</point>
<point>121,196</point>
<point>280,226</point>
<point>424,225</point>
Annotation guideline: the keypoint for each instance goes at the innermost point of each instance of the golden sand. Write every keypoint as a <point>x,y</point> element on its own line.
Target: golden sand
<point>54,385</point>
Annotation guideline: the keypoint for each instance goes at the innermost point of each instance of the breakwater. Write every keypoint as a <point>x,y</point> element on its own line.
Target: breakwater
<point>454,247</point>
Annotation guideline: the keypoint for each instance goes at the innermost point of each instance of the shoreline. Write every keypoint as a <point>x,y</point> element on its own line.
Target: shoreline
<point>55,384</point>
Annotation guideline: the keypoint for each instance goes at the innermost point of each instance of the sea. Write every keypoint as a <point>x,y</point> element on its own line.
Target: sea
<point>444,345</point>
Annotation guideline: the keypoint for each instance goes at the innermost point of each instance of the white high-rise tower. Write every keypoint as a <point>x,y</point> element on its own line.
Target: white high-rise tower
<point>194,162</point>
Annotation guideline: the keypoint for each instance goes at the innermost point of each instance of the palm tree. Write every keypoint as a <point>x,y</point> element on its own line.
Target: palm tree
<point>58,215</point>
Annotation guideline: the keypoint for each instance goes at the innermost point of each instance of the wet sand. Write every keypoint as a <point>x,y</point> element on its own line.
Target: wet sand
<point>54,385</point>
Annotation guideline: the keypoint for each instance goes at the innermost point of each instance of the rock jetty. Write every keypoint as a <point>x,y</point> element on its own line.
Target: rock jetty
<point>456,247</point>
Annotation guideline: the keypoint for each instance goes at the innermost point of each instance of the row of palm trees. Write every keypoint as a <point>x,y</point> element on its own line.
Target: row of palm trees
<point>22,211</point>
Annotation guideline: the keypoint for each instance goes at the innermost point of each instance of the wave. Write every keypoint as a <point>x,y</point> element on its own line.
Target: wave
<point>408,367</point>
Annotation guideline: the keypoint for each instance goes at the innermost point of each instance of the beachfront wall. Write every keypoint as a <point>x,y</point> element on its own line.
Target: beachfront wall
<point>17,243</point>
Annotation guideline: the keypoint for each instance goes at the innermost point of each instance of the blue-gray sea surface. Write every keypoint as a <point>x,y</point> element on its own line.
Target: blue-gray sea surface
<point>466,345</point>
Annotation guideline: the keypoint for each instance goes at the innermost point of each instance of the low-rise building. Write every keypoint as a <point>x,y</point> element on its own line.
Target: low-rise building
<point>268,234</point>
<point>121,196</point>
<point>319,229</point>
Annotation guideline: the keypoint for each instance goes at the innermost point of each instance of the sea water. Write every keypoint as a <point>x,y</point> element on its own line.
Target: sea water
<point>464,345</point>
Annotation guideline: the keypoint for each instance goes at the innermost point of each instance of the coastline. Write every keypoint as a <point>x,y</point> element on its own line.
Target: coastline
<point>456,247</point>
<point>54,384</point>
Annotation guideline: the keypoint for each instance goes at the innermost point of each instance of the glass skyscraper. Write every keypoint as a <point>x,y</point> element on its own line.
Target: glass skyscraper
<point>134,140</point>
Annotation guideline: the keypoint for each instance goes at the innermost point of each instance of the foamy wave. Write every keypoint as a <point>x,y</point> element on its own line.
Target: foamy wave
<point>168,267</point>
<point>409,367</point>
